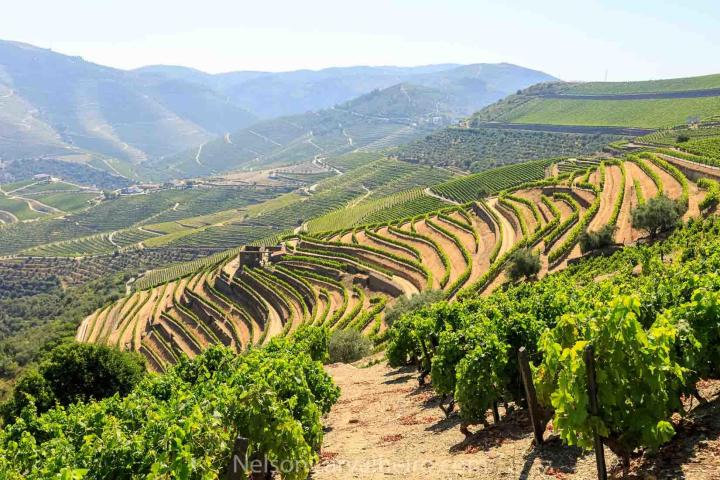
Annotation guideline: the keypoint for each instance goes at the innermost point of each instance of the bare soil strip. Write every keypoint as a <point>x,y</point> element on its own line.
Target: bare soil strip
<point>364,239</point>
<point>384,426</point>
<point>613,179</point>
<point>508,238</point>
<point>430,257</point>
<point>457,262</point>
<point>672,188</point>
<point>624,232</point>
<point>481,259</point>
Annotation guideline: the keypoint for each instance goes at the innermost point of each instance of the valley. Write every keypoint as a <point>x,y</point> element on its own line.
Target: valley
<point>401,233</point>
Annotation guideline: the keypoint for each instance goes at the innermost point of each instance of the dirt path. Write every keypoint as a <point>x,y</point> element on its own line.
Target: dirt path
<point>457,262</point>
<point>625,232</point>
<point>7,217</point>
<point>671,186</point>
<point>427,191</point>
<point>508,239</point>
<point>613,179</point>
<point>384,426</point>
<point>430,258</point>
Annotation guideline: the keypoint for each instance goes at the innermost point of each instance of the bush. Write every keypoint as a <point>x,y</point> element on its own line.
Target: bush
<point>408,305</point>
<point>348,346</point>
<point>595,240</point>
<point>76,372</point>
<point>683,138</point>
<point>658,215</point>
<point>523,264</point>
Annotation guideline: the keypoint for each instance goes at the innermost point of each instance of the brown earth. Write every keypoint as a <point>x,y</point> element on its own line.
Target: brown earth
<point>430,258</point>
<point>613,181</point>
<point>457,262</point>
<point>385,426</point>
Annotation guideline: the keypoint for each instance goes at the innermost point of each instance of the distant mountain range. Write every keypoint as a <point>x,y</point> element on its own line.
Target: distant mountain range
<point>156,118</point>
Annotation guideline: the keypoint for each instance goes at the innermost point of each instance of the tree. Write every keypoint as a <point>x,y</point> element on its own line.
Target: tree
<point>524,264</point>
<point>348,346</point>
<point>657,215</point>
<point>595,240</point>
<point>408,305</point>
<point>76,372</point>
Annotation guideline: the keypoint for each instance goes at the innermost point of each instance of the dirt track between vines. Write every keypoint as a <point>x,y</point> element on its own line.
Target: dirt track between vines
<point>385,426</point>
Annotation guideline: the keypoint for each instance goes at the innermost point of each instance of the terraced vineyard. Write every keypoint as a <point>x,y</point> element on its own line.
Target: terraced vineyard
<point>347,278</point>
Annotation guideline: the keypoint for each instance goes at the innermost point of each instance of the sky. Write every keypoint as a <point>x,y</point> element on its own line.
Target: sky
<point>572,40</point>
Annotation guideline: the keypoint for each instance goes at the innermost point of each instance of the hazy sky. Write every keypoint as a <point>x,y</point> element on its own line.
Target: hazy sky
<point>574,40</point>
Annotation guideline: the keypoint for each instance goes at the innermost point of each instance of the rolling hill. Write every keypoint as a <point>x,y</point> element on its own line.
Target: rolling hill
<point>566,119</point>
<point>647,104</point>
<point>289,93</point>
<point>374,121</point>
<point>57,104</point>
<point>59,107</point>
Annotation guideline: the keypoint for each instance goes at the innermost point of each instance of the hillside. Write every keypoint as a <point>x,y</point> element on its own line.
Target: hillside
<point>53,104</point>
<point>566,119</point>
<point>342,253</point>
<point>649,105</point>
<point>289,93</point>
<point>373,121</point>
<point>149,123</point>
<point>348,276</point>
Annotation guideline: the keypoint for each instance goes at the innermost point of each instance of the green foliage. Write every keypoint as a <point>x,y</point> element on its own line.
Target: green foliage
<point>182,424</point>
<point>31,326</point>
<point>657,215</point>
<point>712,197</point>
<point>347,346</point>
<point>639,382</point>
<point>405,305</point>
<point>479,148</point>
<point>657,113</point>
<point>480,379</point>
<point>651,347</point>
<point>524,263</point>
<point>596,240</point>
<point>75,372</point>
<point>474,187</point>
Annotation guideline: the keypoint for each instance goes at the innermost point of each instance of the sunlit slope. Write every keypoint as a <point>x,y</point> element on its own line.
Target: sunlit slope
<point>647,104</point>
<point>348,278</point>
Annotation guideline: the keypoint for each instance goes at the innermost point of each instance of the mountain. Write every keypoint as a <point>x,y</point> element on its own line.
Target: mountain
<point>287,93</point>
<point>374,121</point>
<point>159,121</point>
<point>382,118</point>
<point>54,104</point>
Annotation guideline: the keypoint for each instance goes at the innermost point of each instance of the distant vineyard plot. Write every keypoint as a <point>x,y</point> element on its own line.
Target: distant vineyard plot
<point>634,104</point>
<point>477,149</point>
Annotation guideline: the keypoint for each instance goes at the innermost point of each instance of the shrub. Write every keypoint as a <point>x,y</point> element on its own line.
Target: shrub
<point>76,372</point>
<point>683,138</point>
<point>348,346</point>
<point>595,240</point>
<point>408,305</point>
<point>658,215</point>
<point>523,264</point>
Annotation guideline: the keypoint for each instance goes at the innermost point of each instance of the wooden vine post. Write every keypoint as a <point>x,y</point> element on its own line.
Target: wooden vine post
<point>531,396</point>
<point>238,459</point>
<point>594,411</point>
<point>259,468</point>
